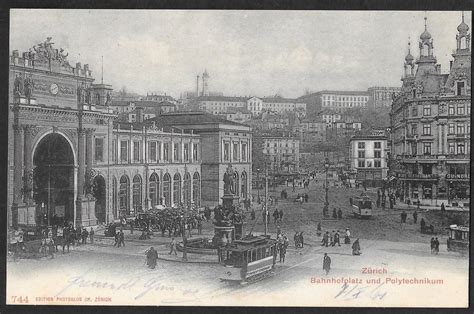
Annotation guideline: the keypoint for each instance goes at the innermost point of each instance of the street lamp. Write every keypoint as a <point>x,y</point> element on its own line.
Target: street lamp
<point>326,167</point>
<point>258,185</point>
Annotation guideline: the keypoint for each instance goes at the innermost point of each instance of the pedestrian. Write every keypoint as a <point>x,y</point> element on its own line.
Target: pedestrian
<point>415,216</point>
<point>281,215</point>
<point>332,237</point>
<point>252,214</point>
<point>278,231</point>
<point>117,239</point>
<point>347,237</point>
<point>275,216</point>
<point>85,235</point>
<point>306,197</point>
<point>151,258</point>
<point>91,235</point>
<point>199,226</point>
<point>356,247</point>
<point>378,203</point>
<point>350,201</point>
<point>131,226</point>
<point>442,207</point>
<point>296,238</point>
<point>173,247</point>
<point>436,243</point>
<point>325,239</point>
<point>282,252</point>
<point>51,247</point>
<point>339,214</point>
<point>334,213</point>
<point>432,245</point>
<point>422,225</point>
<point>326,263</point>
<point>301,239</point>
<point>66,238</point>
<point>337,238</point>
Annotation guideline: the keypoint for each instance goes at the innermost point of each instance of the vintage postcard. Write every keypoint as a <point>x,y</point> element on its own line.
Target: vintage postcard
<point>239,158</point>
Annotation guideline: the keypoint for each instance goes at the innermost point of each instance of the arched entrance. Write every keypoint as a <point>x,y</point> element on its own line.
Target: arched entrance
<point>137,193</point>
<point>99,192</point>
<point>53,180</point>
<point>124,196</point>
<point>154,189</point>
<point>177,189</point>
<point>167,189</point>
<point>196,189</point>
<point>187,189</point>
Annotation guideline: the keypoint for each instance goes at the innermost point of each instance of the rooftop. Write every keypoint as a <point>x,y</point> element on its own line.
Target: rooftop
<point>181,118</point>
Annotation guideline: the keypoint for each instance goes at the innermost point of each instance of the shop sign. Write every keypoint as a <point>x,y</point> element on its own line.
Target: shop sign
<point>457,176</point>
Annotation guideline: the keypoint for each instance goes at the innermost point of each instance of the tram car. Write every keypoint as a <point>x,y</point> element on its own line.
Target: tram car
<point>458,240</point>
<point>248,259</point>
<point>362,207</point>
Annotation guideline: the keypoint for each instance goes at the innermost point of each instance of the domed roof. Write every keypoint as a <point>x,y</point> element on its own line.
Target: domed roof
<point>425,35</point>
<point>409,58</point>
<point>463,27</point>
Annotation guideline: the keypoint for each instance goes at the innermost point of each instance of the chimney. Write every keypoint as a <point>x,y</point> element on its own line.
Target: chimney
<point>197,85</point>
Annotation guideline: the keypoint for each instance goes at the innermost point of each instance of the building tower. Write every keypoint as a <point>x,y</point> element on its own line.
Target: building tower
<point>463,39</point>
<point>409,65</point>
<point>426,62</point>
<point>205,87</point>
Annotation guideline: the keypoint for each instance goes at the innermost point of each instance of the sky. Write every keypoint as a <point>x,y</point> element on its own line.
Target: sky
<point>259,53</point>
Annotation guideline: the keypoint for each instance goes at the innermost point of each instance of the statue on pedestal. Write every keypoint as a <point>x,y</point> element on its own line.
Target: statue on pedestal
<point>229,181</point>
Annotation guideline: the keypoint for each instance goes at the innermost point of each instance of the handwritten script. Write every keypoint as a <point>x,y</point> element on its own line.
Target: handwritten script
<point>351,292</point>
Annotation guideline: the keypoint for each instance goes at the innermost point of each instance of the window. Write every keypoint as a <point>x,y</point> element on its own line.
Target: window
<point>426,129</point>
<point>244,152</point>
<point>427,110</point>
<point>426,148</point>
<point>460,109</point>
<point>361,145</point>
<point>152,151</point>
<point>377,163</point>
<point>186,152</point>
<point>361,163</point>
<point>136,151</point>
<point>378,145</point>
<point>166,151</point>
<point>124,150</point>
<point>99,149</point>
<point>460,129</point>
<point>175,152</point>
<point>427,168</point>
<point>369,164</point>
<point>414,111</point>
<point>460,148</point>
<point>414,129</point>
<point>235,151</point>
<point>451,128</point>
<point>361,154</point>
<point>459,88</point>
<point>451,109</point>
<point>377,154</point>
<point>451,148</point>
<point>114,149</point>
<point>226,151</point>
<point>195,152</point>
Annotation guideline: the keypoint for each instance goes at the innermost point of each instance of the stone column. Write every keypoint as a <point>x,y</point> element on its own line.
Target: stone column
<point>82,162</point>
<point>30,132</point>
<point>18,163</point>
<point>89,149</point>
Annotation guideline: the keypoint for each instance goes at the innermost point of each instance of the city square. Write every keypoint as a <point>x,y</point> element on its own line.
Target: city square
<point>128,196</point>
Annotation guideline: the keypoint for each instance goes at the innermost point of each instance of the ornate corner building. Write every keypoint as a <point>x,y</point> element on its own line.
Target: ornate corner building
<point>70,159</point>
<point>430,122</point>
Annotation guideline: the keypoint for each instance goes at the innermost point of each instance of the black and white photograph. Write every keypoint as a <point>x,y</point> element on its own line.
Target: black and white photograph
<point>274,158</point>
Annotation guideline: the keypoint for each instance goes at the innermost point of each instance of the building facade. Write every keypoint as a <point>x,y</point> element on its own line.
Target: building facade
<point>430,122</point>
<point>368,157</point>
<point>282,153</point>
<point>381,97</point>
<point>69,158</point>
<point>224,144</point>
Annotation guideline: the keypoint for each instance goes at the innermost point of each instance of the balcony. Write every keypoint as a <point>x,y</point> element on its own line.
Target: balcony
<point>406,157</point>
